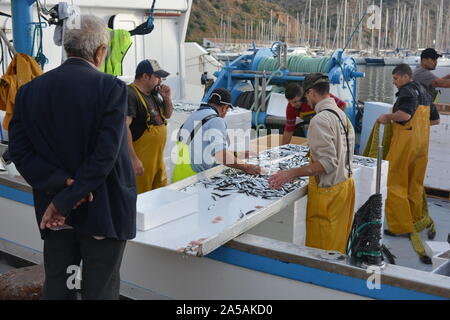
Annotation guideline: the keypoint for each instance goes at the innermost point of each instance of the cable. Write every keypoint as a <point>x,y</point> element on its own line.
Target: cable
<point>43,8</point>
<point>5,15</point>
<point>3,58</point>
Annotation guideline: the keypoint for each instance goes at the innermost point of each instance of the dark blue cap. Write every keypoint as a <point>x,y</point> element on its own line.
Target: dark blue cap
<point>151,67</point>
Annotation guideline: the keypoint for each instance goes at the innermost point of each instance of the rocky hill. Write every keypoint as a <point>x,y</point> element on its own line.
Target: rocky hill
<point>250,20</point>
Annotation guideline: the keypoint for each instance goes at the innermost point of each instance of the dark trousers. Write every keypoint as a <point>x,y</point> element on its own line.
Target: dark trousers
<point>64,250</point>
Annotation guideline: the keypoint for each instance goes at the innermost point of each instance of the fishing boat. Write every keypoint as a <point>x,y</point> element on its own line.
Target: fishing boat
<point>259,255</point>
<point>375,61</point>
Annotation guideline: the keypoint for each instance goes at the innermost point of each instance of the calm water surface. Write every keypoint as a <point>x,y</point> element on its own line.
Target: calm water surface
<point>377,85</point>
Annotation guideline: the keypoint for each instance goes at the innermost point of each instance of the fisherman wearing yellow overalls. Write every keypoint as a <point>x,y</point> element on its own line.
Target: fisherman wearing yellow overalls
<point>408,156</point>
<point>149,105</point>
<point>331,190</point>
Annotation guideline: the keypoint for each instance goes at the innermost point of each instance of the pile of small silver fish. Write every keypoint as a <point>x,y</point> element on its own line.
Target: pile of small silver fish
<point>237,181</point>
<point>185,107</point>
<point>282,158</point>
<point>273,160</point>
<point>365,162</point>
<point>285,151</point>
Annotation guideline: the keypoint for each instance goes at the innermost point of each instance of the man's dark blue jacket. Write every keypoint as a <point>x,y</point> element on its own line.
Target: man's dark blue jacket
<point>70,123</point>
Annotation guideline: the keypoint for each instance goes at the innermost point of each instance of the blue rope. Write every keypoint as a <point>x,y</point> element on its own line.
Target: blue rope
<point>37,34</point>
<point>151,16</point>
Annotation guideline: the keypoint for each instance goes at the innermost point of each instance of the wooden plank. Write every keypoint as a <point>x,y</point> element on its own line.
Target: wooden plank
<point>437,193</point>
<point>443,107</point>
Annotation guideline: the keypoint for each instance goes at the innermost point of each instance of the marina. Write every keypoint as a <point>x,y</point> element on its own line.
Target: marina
<point>223,234</point>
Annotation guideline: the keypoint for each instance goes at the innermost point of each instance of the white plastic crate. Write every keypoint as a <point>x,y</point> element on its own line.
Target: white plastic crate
<point>160,206</point>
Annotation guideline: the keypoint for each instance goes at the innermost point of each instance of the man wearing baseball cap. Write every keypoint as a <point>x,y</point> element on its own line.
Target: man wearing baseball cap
<point>149,105</point>
<point>203,140</point>
<point>423,74</point>
<point>331,190</point>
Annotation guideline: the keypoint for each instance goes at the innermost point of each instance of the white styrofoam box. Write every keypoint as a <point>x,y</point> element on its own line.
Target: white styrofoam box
<point>433,248</point>
<point>440,258</point>
<point>239,125</point>
<point>438,173</point>
<point>163,205</point>
<point>277,105</point>
<point>12,171</point>
<point>299,232</point>
<point>372,111</point>
<point>367,177</point>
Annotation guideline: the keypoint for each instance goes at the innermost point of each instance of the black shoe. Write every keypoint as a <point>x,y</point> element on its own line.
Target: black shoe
<point>389,233</point>
<point>425,259</point>
<point>431,234</point>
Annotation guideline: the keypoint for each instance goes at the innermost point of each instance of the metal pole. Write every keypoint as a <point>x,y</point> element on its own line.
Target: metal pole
<point>263,92</point>
<point>256,103</point>
<point>21,21</point>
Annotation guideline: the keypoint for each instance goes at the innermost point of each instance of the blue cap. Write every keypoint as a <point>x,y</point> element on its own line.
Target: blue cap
<point>151,67</point>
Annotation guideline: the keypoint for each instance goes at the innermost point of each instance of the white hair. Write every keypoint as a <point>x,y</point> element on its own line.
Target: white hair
<point>83,41</point>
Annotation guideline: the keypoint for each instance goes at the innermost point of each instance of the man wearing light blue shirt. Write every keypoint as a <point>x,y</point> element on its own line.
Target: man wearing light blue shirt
<point>203,140</point>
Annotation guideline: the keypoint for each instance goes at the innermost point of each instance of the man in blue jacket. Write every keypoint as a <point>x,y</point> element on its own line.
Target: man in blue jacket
<point>68,140</point>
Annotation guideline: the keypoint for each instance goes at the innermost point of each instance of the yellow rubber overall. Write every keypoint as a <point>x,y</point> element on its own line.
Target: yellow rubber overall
<point>150,150</point>
<point>408,158</point>
<point>329,215</point>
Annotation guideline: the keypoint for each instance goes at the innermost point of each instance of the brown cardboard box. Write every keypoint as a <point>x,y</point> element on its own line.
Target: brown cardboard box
<point>443,108</point>
<point>270,141</point>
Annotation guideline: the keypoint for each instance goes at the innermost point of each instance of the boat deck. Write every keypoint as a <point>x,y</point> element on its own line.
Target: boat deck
<point>402,248</point>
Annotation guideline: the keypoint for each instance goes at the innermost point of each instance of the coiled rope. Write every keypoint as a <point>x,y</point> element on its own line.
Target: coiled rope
<point>303,64</point>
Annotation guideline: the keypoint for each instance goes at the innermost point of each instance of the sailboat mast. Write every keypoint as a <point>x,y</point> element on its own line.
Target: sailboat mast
<point>326,26</point>
<point>344,33</point>
<point>386,41</point>
<point>381,19</point>
<point>419,25</point>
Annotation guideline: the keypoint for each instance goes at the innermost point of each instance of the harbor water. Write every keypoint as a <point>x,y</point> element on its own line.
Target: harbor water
<point>378,86</point>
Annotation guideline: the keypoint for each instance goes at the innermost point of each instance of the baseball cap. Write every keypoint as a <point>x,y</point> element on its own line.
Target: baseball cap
<point>151,67</point>
<point>430,53</point>
<point>313,79</point>
<point>221,96</point>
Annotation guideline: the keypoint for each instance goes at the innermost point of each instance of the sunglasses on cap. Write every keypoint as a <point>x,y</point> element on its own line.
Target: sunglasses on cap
<point>220,100</point>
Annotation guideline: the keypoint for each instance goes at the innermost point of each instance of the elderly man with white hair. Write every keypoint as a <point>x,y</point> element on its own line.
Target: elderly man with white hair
<point>69,141</point>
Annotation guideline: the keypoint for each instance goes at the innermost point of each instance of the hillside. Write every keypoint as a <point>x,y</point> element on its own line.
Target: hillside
<point>206,16</point>
<point>250,20</point>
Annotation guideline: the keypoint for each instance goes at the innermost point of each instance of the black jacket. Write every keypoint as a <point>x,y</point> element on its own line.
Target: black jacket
<point>410,96</point>
<point>70,122</point>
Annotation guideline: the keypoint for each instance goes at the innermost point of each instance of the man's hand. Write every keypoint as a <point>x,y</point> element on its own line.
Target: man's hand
<point>137,166</point>
<point>279,179</point>
<point>245,154</point>
<point>383,119</point>
<point>89,198</point>
<point>255,170</point>
<point>165,91</point>
<point>52,218</point>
